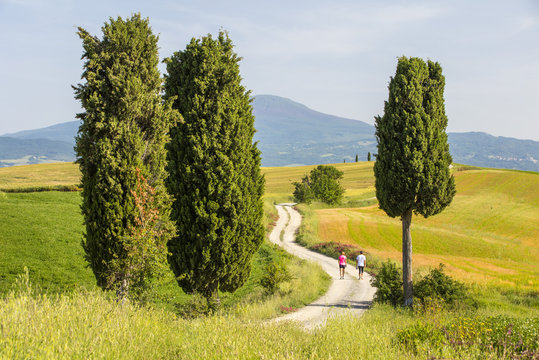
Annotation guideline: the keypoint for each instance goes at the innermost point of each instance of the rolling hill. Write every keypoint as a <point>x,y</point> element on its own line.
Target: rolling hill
<point>290,133</point>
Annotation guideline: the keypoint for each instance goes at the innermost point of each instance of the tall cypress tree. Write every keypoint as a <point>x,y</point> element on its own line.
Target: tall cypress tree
<point>121,140</point>
<point>411,171</point>
<point>214,169</point>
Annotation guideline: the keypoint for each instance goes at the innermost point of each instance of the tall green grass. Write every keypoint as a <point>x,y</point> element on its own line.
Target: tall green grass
<point>87,324</point>
<point>43,231</point>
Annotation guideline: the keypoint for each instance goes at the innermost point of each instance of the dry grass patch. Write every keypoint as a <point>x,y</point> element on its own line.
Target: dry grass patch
<point>333,226</point>
<point>39,175</point>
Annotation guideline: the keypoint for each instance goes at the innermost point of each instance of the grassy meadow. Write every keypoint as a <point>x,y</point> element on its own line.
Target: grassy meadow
<point>486,237</point>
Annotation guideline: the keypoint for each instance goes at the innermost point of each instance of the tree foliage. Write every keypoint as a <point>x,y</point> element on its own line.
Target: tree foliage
<point>437,285</point>
<point>303,192</point>
<point>214,169</point>
<point>321,184</point>
<point>123,128</point>
<point>412,165</point>
<point>388,284</point>
<point>145,245</point>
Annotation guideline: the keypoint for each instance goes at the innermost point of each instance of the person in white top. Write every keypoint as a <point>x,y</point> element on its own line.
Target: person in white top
<point>361,262</point>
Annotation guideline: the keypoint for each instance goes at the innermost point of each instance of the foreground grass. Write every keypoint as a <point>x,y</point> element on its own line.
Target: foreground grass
<point>89,325</point>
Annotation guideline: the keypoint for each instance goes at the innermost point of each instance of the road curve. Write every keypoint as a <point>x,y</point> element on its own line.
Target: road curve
<point>348,295</point>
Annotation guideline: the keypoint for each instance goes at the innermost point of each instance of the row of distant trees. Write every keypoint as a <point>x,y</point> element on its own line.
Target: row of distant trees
<point>170,174</point>
<point>368,157</point>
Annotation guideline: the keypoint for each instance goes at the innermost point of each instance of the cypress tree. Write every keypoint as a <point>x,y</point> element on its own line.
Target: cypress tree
<point>411,171</point>
<point>369,156</point>
<point>120,143</point>
<point>214,170</point>
<point>357,158</point>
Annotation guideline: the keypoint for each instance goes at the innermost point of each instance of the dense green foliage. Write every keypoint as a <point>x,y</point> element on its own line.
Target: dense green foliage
<point>214,169</point>
<point>274,274</point>
<point>412,167</point>
<point>303,192</point>
<point>124,129</point>
<point>321,184</point>
<point>388,282</point>
<point>438,285</point>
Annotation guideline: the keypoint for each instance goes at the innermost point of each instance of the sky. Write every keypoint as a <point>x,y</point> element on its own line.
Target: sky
<point>336,57</point>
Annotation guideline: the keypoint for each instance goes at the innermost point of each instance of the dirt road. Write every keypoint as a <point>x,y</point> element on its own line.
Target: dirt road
<point>348,295</point>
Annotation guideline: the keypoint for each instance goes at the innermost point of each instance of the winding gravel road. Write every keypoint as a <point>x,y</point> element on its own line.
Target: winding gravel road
<point>348,295</point>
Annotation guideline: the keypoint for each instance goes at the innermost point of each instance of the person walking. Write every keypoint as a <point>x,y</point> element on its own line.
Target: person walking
<point>361,262</point>
<point>342,264</point>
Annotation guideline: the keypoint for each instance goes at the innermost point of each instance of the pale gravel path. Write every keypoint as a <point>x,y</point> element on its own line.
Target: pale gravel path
<point>349,295</point>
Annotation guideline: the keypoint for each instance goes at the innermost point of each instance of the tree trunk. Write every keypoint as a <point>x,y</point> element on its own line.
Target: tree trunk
<point>214,302</point>
<point>407,258</point>
<point>123,289</point>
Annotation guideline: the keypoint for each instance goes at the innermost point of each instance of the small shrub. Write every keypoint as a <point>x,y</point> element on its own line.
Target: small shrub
<point>437,285</point>
<point>321,184</point>
<point>195,307</point>
<point>275,274</point>
<point>389,284</point>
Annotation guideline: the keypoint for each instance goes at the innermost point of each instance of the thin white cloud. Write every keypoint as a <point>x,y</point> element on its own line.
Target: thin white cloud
<point>526,23</point>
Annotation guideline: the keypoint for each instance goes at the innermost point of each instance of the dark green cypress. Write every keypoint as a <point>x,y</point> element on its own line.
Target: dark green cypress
<point>412,173</point>
<point>124,128</point>
<point>214,169</point>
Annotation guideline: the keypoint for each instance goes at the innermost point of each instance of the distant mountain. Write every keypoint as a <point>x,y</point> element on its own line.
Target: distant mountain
<point>481,149</point>
<point>290,133</point>
<point>60,132</point>
<point>15,151</point>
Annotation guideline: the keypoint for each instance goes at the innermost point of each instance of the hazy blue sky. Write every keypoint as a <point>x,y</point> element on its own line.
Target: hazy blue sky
<point>333,56</point>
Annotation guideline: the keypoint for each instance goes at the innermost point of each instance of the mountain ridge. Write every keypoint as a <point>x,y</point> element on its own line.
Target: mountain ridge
<point>290,133</point>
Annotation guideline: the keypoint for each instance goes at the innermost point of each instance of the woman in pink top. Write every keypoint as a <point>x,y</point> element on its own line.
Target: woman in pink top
<point>342,264</point>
